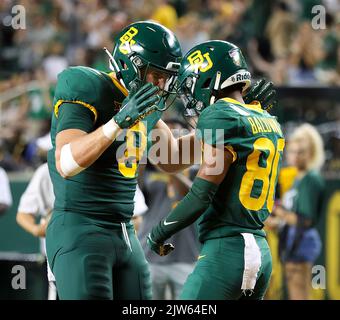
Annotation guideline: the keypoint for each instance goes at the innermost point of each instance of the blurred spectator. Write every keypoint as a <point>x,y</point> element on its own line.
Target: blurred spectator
<point>165,14</point>
<point>259,13</point>
<point>306,53</point>
<point>13,122</point>
<point>119,21</point>
<point>306,7</point>
<point>267,38</point>
<point>191,31</point>
<point>334,164</point>
<point>55,61</point>
<point>328,70</point>
<point>280,30</point>
<point>5,194</point>
<point>25,115</point>
<point>97,25</point>
<point>36,203</point>
<point>227,20</point>
<point>35,152</point>
<point>300,243</point>
<point>276,71</point>
<point>7,161</point>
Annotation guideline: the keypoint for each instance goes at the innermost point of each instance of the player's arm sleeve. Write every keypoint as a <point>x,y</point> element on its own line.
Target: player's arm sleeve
<point>309,200</point>
<point>74,116</point>
<point>188,210</point>
<point>74,107</point>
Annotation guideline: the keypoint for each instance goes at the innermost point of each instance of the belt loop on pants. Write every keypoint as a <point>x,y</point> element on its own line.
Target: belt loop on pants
<point>126,236</point>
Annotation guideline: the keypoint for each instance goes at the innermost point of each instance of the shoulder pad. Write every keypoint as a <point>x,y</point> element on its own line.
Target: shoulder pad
<point>79,85</point>
<point>77,79</point>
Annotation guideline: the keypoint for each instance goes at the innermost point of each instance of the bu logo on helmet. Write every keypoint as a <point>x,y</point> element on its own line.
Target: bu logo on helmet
<point>126,40</point>
<point>202,61</point>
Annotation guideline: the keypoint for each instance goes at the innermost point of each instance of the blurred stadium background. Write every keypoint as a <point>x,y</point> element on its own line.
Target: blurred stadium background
<point>277,38</point>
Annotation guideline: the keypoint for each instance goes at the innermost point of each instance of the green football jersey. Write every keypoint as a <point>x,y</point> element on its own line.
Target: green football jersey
<point>245,198</point>
<point>86,99</point>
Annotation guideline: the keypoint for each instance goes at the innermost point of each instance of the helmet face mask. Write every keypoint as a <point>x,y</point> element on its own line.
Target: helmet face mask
<point>207,69</point>
<point>186,88</point>
<point>167,91</point>
<point>145,46</point>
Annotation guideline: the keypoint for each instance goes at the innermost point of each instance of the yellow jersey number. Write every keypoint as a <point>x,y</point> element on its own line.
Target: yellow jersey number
<point>265,174</point>
<point>128,163</point>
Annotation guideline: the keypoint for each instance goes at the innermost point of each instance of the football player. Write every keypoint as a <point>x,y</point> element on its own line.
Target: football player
<point>91,245</point>
<point>233,192</point>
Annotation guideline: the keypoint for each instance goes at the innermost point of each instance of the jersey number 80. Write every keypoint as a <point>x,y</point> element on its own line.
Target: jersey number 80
<point>266,174</point>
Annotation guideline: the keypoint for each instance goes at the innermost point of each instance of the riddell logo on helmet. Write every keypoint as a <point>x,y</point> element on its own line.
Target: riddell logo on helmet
<point>241,77</point>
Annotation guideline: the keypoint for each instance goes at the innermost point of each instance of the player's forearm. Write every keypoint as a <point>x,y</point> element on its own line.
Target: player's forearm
<point>77,150</point>
<point>180,155</point>
<point>27,222</point>
<point>164,146</point>
<point>174,154</point>
<point>189,152</point>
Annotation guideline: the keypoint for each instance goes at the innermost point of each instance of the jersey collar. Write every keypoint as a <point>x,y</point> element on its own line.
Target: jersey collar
<point>256,106</point>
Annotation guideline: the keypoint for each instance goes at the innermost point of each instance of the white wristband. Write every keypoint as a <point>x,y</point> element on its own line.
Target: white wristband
<point>111,130</point>
<point>68,165</point>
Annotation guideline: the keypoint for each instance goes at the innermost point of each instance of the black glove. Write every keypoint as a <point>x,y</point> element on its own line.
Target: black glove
<point>263,92</point>
<point>137,106</point>
<point>161,249</point>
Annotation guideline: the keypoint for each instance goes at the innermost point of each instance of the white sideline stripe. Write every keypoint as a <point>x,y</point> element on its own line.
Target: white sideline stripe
<point>17,256</point>
<point>252,262</point>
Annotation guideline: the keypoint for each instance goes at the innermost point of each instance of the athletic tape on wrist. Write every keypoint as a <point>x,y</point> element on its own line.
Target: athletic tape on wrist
<point>111,129</point>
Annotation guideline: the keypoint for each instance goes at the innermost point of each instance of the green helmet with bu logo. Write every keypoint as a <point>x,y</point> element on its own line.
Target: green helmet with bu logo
<point>208,68</point>
<point>143,45</point>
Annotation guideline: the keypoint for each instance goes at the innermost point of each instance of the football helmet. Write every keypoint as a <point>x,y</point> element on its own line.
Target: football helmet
<point>207,68</point>
<point>142,46</point>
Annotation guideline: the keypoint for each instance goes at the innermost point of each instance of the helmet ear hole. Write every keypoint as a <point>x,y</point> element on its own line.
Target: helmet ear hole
<point>123,64</point>
<point>206,83</point>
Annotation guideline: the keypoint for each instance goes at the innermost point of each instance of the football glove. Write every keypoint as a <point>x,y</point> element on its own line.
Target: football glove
<point>263,92</point>
<point>137,106</point>
<point>161,249</point>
